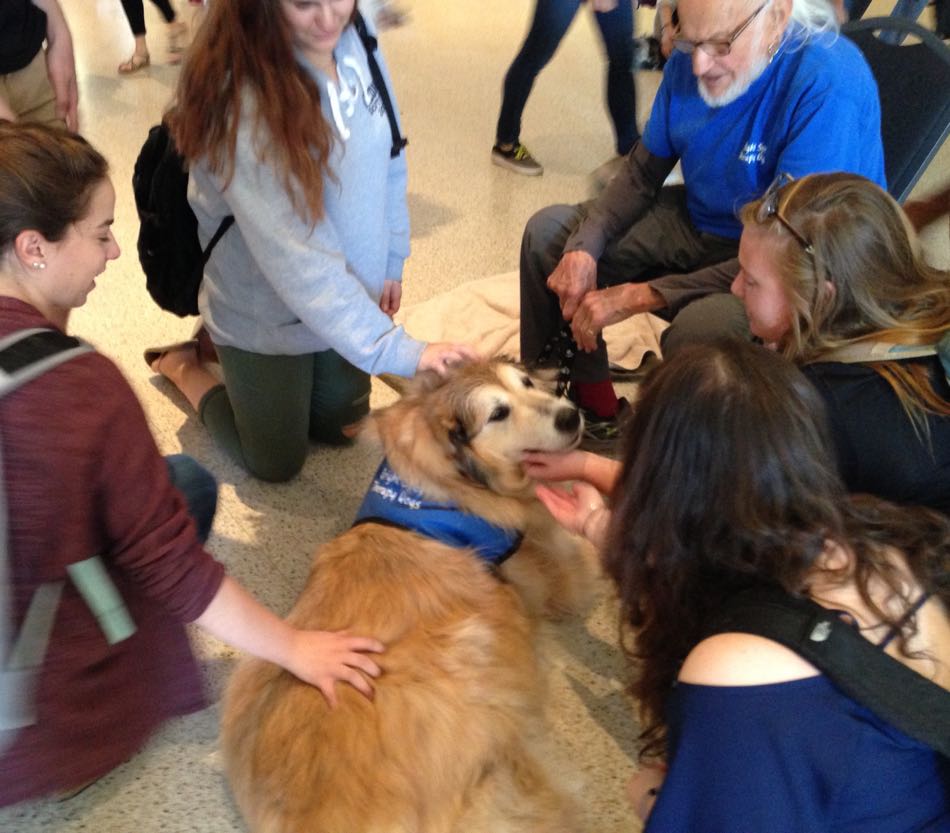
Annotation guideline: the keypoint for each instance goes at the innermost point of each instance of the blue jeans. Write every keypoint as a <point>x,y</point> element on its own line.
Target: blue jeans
<point>199,488</point>
<point>552,18</point>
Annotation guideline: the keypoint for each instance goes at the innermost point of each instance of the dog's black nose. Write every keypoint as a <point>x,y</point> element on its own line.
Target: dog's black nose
<point>567,420</point>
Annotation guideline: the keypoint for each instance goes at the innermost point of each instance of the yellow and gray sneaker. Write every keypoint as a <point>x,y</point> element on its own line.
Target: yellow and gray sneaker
<point>516,158</point>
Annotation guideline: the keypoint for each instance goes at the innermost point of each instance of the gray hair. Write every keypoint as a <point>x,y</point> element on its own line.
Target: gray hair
<point>816,17</point>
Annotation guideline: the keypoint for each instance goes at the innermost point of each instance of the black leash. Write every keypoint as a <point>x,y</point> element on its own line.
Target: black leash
<point>560,352</point>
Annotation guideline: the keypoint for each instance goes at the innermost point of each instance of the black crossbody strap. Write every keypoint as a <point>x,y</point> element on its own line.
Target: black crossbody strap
<point>224,225</point>
<point>915,705</point>
<point>369,43</point>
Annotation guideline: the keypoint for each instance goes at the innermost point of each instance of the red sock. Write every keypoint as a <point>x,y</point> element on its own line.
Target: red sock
<point>598,397</point>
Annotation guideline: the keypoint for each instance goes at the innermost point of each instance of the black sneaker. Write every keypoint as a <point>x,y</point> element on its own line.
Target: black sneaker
<point>603,434</point>
<point>516,159</point>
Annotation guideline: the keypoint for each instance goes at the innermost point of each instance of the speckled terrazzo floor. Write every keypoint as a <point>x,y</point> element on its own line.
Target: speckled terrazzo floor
<point>467,221</point>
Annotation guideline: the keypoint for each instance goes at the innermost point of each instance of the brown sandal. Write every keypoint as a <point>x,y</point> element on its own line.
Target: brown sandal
<point>135,63</point>
<point>200,342</point>
<point>156,354</point>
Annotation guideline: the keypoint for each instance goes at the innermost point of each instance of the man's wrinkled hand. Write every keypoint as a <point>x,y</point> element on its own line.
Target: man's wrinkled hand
<point>574,277</point>
<point>604,307</point>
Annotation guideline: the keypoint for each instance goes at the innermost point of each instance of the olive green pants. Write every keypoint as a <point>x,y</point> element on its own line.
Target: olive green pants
<point>270,407</point>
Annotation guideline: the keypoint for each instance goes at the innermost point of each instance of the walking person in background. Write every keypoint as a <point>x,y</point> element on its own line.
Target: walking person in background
<point>176,32</point>
<point>552,18</point>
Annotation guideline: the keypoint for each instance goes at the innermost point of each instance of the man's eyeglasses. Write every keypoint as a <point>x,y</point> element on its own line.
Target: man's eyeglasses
<point>769,208</point>
<point>717,48</point>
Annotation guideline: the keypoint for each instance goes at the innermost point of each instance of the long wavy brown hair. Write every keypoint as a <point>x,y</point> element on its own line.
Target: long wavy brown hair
<point>244,48</point>
<point>728,482</point>
<point>883,290</point>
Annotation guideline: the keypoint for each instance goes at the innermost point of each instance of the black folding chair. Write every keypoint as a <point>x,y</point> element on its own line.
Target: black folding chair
<point>913,81</point>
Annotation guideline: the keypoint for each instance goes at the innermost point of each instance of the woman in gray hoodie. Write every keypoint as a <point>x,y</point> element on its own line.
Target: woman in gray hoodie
<point>284,128</point>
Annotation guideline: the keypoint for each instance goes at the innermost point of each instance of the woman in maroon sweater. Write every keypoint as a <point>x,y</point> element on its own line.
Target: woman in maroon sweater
<point>83,477</point>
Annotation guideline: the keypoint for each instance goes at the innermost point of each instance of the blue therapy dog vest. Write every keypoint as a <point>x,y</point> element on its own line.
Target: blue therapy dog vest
<point>390,501</point>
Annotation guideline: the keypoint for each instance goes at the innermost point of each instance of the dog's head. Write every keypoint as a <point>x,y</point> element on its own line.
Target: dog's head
<point>479,419</point>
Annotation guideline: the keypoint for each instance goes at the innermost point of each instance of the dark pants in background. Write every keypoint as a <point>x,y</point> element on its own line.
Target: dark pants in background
<point>552,19</point>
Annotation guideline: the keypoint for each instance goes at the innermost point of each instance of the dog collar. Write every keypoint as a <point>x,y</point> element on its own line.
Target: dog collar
<point>390,501</point>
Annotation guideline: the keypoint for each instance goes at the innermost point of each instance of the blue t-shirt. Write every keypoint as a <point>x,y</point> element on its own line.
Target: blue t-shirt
<point>815,109</point>
<point>795,757</point>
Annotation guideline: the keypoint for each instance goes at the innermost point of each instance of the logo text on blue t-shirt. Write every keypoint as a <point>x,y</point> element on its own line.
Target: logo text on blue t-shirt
<point>753,153</point>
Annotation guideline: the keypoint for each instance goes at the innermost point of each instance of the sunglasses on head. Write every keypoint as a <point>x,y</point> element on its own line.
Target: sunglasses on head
<point>769,207</point>
<point>718,48</point>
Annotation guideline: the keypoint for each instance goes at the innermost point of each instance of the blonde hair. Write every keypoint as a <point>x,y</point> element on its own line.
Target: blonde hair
<point>865,281</point>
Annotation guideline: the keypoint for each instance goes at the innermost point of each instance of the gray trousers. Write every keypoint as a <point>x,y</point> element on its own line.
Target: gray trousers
<point>663,241</point>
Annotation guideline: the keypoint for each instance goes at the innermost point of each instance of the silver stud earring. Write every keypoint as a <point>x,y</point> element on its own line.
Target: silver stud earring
<point>773,48</point>
<point>38,264</point>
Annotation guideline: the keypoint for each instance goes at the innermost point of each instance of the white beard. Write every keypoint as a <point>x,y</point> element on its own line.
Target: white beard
<point>738,87</point>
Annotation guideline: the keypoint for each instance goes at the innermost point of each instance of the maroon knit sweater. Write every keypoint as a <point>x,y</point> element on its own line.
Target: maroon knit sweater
<point>83,477</point>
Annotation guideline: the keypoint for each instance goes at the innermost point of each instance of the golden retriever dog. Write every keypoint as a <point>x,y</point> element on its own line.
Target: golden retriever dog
<point>453,741</point>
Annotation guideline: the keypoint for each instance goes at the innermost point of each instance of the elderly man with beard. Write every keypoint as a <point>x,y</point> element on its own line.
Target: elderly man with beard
<point>753,89</point>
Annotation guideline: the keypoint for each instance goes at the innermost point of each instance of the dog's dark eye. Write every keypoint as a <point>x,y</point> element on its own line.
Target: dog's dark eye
<point>526,381</point>
<point>500,413</point>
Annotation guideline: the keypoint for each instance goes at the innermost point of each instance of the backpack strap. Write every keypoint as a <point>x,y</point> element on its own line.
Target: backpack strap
<point>888,351</point>
<point>223,226</point>
<point>369,44</point>
<point>915,705</point>
<point>24,356</point>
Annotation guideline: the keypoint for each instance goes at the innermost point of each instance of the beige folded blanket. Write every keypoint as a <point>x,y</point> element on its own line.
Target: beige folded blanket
<point>485,313</point>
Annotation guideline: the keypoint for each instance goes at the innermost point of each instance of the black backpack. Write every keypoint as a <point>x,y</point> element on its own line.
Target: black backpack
<point>169,250</point>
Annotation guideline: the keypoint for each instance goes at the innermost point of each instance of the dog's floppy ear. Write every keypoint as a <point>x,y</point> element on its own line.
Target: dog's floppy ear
<point>546,377</point>
<point>454,423</point>
<point>423,383</point>
<point>464,460</point>
<point>458,436</point>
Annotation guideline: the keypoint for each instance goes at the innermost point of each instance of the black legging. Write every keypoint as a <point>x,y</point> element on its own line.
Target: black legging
<point>135,12</point>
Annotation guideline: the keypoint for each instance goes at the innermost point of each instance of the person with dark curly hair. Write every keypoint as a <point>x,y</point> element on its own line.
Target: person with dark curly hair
<point>727,483</point>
